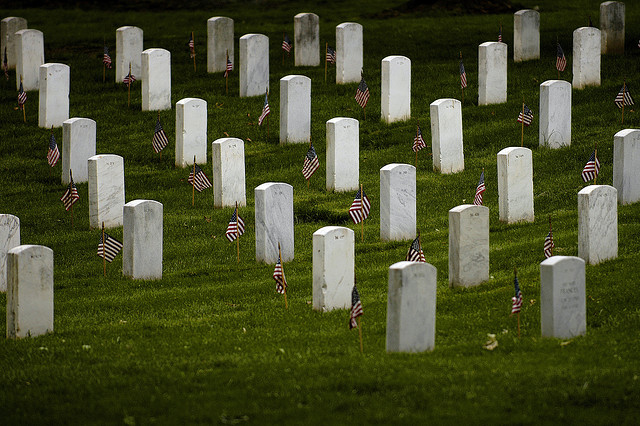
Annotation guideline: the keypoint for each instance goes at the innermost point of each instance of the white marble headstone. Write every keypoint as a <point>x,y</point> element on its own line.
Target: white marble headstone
<point>156,80</point>
<point>228,172</point>
<point>306,42</point>
<point>526,35</point>
<point>274,221</point>
<point>397,202</point>
<point>349,53</point>
<point>446,135</point>
<point>9,238</point>
<point>468,245</point>
<point>333,268</point>
<point>78,145</point>
<point>626,165</point>
<point>555,114</point>
<point>191,131</point>
<point>295,109</point>
<point>597,223</point>
<point>219,43</point>
<point>53,105</point>
<point>29,45</point>
<point>8,27</point>
<point>395,97</point>
<point>129,41</point>
<point>492,73</point>
<point>612,26</point>
<point>515,185</point>
<point>586,57</point>
<point>142,240</point>
<point>254,65</point>
<point>343,154</point>
<point>106,190</point>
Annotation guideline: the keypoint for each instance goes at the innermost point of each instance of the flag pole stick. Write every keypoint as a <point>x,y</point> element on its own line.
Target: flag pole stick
<point>550,233</point>
<point>104,254</point>
<point>361,214</point>
<point>326,50</point>
<point>522,127</point>
<point>237,232</point>
<point>194,53</point>
<point>193,181</point>
<point>286,304</point>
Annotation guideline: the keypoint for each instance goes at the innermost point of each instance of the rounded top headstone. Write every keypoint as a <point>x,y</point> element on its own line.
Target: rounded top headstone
<point>328,230</point>
<point>555,260</point>
<point>599,190</point>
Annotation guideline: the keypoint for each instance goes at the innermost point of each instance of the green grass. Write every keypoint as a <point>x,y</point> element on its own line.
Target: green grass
<point>212,343</point>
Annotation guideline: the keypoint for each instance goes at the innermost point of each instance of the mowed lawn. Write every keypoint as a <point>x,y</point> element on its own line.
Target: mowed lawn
<point>211,342</point>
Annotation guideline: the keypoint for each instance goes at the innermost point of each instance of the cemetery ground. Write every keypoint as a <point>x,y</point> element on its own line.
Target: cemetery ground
<point>211,342</point>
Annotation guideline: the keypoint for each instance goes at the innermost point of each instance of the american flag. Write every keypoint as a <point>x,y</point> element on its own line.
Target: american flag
<point>201,182</point>
<point>360,207</point>
<point>160,140</point>
<point>70,196</point>
<point>591,169</point>
<point>5,65</point>
<point>463,75</point>
<point>192,47</point>
<point>356,308</point>
<point>331,55</point>
<point>236,226</point>
<point>516,301</point>
<point>22,97</point>
<point>418,141</point>
<point>548,245</point>
<point>500,34</point>
<point>109,248</point>
<point>561,61</point>
<point>311,163</point>
<point>278,276</point>
<point>477,201</point>
<point>415,253</point>
<point>106,59</point>
<point>527,117</point>
<point>624,97</point>
<point>129,78</point>
<point>265,109</point>
<point>362,94</point>
<point>228,68</point>
<point>53,155</point>
<point>286,44</point>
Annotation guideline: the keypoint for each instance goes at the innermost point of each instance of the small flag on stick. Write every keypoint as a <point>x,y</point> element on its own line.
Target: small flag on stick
<point>548,242</point>
<point>108,247</point>
<point>265,109</point>
<point>463,74</point>
<point>500,33</point>
<point>623,97</point>
<point>22,96</point>
<point>477,201</point>
<point>360,207</point>
<point>281,281</point>
<point>561,60</point>
<point>106,59</point>
<point>53,155</point>
<point>331,55</point>
<point>415,253</point>
<point>228,68</point>
<point>159,141</point>
<point>311,163</point>
<point>356,311</point>
<point>235,227</point>
<point>525,116</point>
<point>591,169</point>
<point>516,301</point>
<point>286,44</point>
<point>418,141</point>
<point>198,179</point>
<point>362,94</point>
<point>70,196</point>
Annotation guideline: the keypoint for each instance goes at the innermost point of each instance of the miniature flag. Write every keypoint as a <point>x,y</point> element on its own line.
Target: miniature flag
<point>192,47</point>
<point>415,253</point>
<point>418,141</point>
<point>5,65</point>
<point>463,75</point>
<point>22,97</point>
<point>286,44</point>
<point>201,182</point>
<point>160,140</point>
<point>624,97</point>
<point>500,34</point>
<point>129,78</point>
<point>527,117</point>
<point>331,55</point>
<point>362,94</point>
<point>236,226</point>
<point>70,196</point>
<point>356,308</point>
<point>561,61</point>
<point>228,68</point>
<point>591,169</point>
<point>311,163</point>
<point>106,59</point>
<point>477,201</point>
<point>109,248</point>
<point>548,245</point>
<point>516,301</point>
<point>360,207</point>
<point>278,276</point>
<point>265,110</point>
<point>53,155</point>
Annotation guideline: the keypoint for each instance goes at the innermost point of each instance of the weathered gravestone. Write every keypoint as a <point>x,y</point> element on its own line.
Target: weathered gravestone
<point>53,105</point>
<point>446,135</point>
<point>492,73</point>
<point>563,303</point>
<point>8,28</point>
<point>395,96</point>
<point>106,190</point>
<point>254,65</point>
<point>626,165</point>
<point>333,268</point>
<point>343,154</point>
<point>468,245</point>
<point>228,172</point>
<point>219,43</point>
<point>397,202</point>
<point>29,56</point>
<point>295,109</point>
<point>9,238</point>
<point>29,291</point>
<point>586,57</point>
<point>306,42</point>
<point>156,80</point>
<point>526,35</point>
<point>128,52</point>
<point>78,145</point>
<point>142,239</point>
<point>515,185</point>
<point>274,221</point>
<point>411,307</point>
<point>191,131</point>
<point>555,114</point>
<point>597,223</point>
<point>349,52</point>
<point>612,27</point>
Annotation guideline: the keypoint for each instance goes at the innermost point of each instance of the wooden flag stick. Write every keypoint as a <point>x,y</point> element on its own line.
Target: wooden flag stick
<point>193,181</point>
<point>326,50</point>
<point>194,53</point>
<point>237,232</point>
<point>362,214</point>
<point>104,254</point>
<point>522,131</point>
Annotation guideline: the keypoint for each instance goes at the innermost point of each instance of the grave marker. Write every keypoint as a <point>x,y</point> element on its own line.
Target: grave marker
<point>555,114</point>
<point>142,240</point>
<point>54,82</point>
<point>626,163</point>
<point>526,35</point>
<point>586,57</point>
<point>78,145</point>
<point>446,135</point>
<point>492,73</point>
<point>219,42</point>
<point>254,65</point>
<point>468,245</point>
<point>229,187</point>
<point>8,28</point>
<point>612,27</point>
<point>397,202</point>
<point>349,56</point>
<point>597,223</point>
<point>295,109</point>
<point>191,131</point>
<point>333,268</point>
<point>9,238</point>
<point>106,190</point>
<point>156,80</point>
<point>29,46</point>
<point>396,89</point>
<point>343,154</point>
<point>515,185</point>
<point>128,52</point>
<point>306,41</point>
<point>274,221</point>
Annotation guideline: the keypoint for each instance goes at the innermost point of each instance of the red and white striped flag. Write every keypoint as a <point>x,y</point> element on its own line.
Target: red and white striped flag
<point>198,179</point>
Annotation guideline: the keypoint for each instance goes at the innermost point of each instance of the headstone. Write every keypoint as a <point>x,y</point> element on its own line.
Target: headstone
<point>78,145</point>
<point>515,185</point>
<point>306,42</point>
<point>219,43</point>
<point>55,80</point>
<point>626,164</point>
<point>446,135</point>
<point>9,238</point>
<point>349,53</point>
<point>142,240</point>
<point>254,65</point>
<point>191,131</point>
<point>468,245</point>
<point>555,114</point>
<point>397,202</point>
<point>612,27</point>
<point>411,307</point>
<point>586,57</point>
<point>526,35</point>
<point>333,268</point>
<point>295,109</point>
<point>228,172</point>
<point>128,51</point>
<point>563,302</point>
<point>597,223</point>
<point>492,73</point>
<point>29,57</point>
<point>274,221</point>
<point>29,291</point>
<point>106,190</point>
<point>396,89</point>
<point>343,154</point>
<point>156,80</point>
<point>8,27</point>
